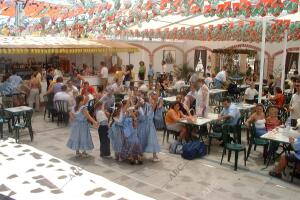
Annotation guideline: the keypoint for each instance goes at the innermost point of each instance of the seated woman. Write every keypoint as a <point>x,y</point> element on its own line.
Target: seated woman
<point>279,98</point>
<point>272,120</point>
<point>259,120</point>
<point>173,115</point>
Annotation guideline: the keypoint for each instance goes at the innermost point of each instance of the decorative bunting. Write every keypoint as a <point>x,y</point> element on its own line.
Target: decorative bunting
<point>97,18</point>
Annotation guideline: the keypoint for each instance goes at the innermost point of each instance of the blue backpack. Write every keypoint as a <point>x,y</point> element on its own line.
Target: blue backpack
<point>192,150</point>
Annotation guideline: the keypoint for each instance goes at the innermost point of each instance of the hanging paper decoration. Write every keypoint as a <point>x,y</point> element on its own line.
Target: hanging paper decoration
<point>243,31</point>
<point>291,6</point>
<point>115,17</point>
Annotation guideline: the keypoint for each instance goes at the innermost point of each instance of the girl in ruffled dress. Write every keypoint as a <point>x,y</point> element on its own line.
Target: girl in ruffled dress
<point>131,148</point>
<point>115,132</point>
<point>158,110</point>
<point>146,129</point>
<point>80,138</point>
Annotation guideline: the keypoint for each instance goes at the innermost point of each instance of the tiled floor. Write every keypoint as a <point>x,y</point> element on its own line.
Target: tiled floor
<point>172,177</point>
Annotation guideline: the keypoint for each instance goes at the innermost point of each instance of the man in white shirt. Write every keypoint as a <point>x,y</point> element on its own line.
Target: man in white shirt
<point>208,80</point>
<point>295,104</point>
<point>117,87</point>
<point>250,94</point>
<point>72,90</point>
<point>143,87</point>
<point>202,99</point>
<point>179,84</point>
<point>220,78</point>
<point>64,96</point>
<point>103,74</point>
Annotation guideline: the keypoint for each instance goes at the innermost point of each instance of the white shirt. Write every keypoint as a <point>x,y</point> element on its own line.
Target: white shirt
<point>202,101</point>
<point>104,72</point>
<point>143,88</point>
<point>250,93</point>
<point>221,76</point>
<point>116,87</point>
<point>57,73</point>
<point>208,80</point>
<point>164,68</point>
<point>63,96</point>
<point>73,92</point>
<point>100,116</point>
<point>295,104</point>
<point>179,84</point>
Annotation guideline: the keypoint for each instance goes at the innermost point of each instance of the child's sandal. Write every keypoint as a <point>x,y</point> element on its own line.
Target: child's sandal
<point>84,155</point>
<point>78,155</point>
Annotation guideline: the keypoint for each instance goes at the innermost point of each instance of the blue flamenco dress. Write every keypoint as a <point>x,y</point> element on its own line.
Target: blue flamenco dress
<point>142,128</point>
<point>80,136</point>
<point>131,147</point>
<point>116,135</point>
<point>152,141</point>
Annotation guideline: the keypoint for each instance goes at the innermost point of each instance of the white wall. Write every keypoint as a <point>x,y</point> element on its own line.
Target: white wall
<point>143,55</point>
<point>158,56</point>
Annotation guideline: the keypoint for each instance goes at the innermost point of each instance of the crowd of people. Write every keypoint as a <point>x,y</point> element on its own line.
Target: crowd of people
<point>129,125</point>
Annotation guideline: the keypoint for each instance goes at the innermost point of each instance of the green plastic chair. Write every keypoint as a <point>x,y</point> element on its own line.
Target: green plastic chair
<point>214,130</point>
<point>231,147</point>
<point>26,123</point>
<point>3,120</point>
<point>256,141</point>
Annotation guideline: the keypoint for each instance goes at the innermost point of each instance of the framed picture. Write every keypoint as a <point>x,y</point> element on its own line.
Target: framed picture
<point>169,56</point>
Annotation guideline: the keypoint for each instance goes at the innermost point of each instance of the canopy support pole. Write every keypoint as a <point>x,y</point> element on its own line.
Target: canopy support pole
<point>129,58</point>
<point>93,61</point>
<point>262,58</point>
<point>283,59</point>
<point>299,61</point>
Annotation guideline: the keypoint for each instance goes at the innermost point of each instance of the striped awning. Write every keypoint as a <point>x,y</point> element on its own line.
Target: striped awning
<point>60,45</point>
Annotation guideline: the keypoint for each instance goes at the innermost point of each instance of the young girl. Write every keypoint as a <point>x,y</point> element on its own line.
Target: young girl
<point>152,145</point>
<point>131,149</point>
<point>158,111</point>
<point>102,118</point>
<point>115,132</point>
<point>272,120</point>
<point>80,137</point>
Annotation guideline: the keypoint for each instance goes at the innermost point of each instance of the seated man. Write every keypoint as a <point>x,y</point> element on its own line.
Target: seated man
<point>230,113</point>
<point>55,85</point>
<point>221,78</point>
<point>72,89</point>
<point>64,96</point>
<point>285,158</point>
<point>87,88</point>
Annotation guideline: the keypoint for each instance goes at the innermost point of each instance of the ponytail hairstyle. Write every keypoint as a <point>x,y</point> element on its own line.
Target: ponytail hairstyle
<point>116,110</point>
<point>78,99</point>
